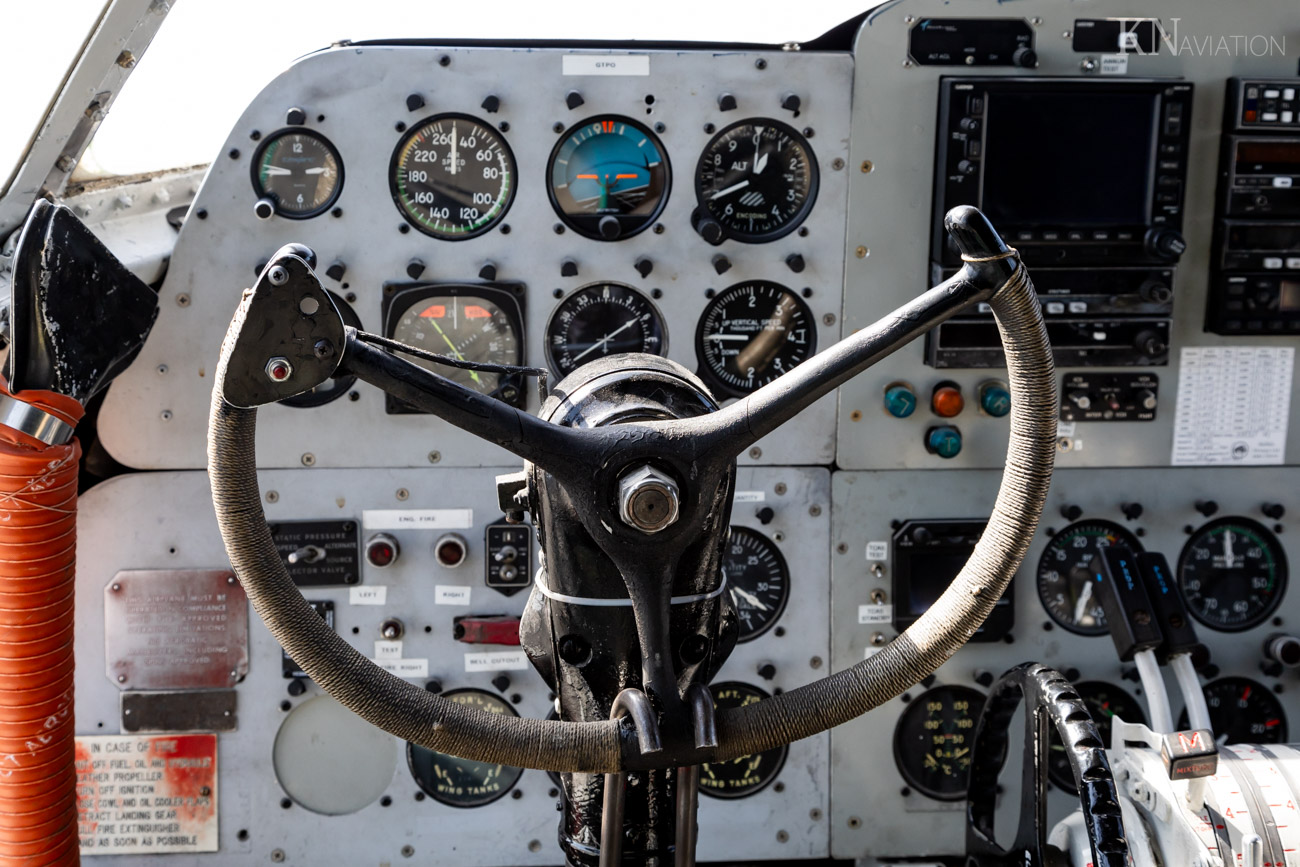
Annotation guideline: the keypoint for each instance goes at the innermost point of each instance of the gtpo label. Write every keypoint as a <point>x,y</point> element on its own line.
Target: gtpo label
<point>875,614</point>
<point>877,550</point>
<point>418,519</point>
<point>148,794</point>
<point>497,660</point>
<point>606,64</point>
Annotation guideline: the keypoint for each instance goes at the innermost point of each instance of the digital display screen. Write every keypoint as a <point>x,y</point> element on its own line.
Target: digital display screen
<point>1268,157</point>
<point>1068,158</point>
<point>1289,297</point>
<point>1281,237</point>
<point>932,572</point>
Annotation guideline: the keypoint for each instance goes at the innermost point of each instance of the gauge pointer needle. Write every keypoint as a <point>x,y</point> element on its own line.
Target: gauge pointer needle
<point>473,374</point>
<point>749,597</point>
<point>731,189</point>
<point>604,341</point>
<point>316,170</point>
<point>1228,555</point>
<point>1081,607</point>
<point>273,171</point>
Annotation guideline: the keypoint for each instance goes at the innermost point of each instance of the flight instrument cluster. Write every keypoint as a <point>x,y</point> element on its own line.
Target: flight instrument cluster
<point>524,209</point>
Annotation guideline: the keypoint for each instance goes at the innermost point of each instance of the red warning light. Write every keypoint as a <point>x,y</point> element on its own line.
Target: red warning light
<point>473,311</point>
<point>434,311</point>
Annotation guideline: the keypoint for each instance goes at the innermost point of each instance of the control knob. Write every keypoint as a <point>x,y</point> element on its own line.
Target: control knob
<point>1167,244</point>
<point>1150,343</point>
<point>708,228</point>
<point>1025,57</point>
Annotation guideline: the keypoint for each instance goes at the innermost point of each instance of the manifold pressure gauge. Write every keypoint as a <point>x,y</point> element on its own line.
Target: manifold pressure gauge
<point>298,172</point>
<point>1232,574</point>
<point>757,180</point>
<point>753,332</point>
<point>1065,583</point>
<point>462,782</point>
<point>758,580</point>
<point>452,177</point>
<point>747,775</point>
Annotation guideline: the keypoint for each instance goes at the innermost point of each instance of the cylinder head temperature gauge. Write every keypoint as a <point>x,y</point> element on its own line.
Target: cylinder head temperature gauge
<point>753,332</point>
<point>747,775</point>
<point>461,782</point>
<point>299,172</point>
<point>757,180</point>
<point>452,177</point>
<point>1232,574</point>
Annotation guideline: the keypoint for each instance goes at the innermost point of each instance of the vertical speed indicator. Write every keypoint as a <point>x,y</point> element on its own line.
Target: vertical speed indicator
<point>753,332</point>
<point>452,177</point>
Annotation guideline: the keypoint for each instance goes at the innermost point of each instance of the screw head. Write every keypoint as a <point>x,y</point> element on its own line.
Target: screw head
<point>278,369</point>
<point>648,500</point>
<point>278,275</point>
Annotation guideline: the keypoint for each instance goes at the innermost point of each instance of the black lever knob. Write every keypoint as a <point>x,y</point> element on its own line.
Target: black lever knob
<point>643,266</point>
<point>1207,507</point>
<point>1071,512</point>
<point>1273,510</point>
<point>573,99</point>
<point>336,270</point>
<point>708,228</point>
<point>1132,511</point>
<point>726,102</point>
<point>721,264</point>
<point>415,268</point>
<point>568,268</point>
<point>488,272</point>
<point>501,682</point>
<point>764,515</point>
<point>767,671</point>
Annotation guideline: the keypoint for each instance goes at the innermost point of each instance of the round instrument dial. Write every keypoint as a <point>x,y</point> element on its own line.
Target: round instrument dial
<point>753,332</point>
<point>747,775</point>
<point>466,326</point>
<point>758,580</point>
<point>934,739</point>
<point>758,179</point>
<point>1105,701</point>
<point>461,782</point>
<point>602,319</point>
<point>1242,711</point>
<point>301,172</point>
<point>1066,585</point>
<point>1232,574</point>
<point>452,177</point>
<point>609,177</point>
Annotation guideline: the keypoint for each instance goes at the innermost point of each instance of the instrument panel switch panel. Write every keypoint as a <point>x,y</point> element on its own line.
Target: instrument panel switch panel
<point>508,560</point>
<point>339,565</point>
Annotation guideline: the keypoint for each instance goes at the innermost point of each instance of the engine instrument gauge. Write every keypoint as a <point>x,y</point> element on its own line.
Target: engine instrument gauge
<point>934,739</point>
<point>460,782</point>
<point>1232,574</point>
<point>753,332</point>
<point>1105,702</point>
<point>602,319</point>
<point>758,179</point>
<point>747,775</point>
<point>1242,711</point>
<point>758,580</point>
<point>1065,584</point>
<point>299,171</point>
<point>452,177</point>
<point>467,323</point>
<point>609,177</point>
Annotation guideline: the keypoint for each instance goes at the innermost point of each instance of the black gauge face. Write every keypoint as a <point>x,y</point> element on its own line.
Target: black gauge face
<point>1105,702</point>
<point>466,326</point>
<point>934,739</point>
<point>461,782</point>
<point>747,775</point>
<point>758,178</point>
<point>452,177</point>
<point>299,171</point>
<point>609,177</point>
<point>1232,574</point>
<point>334,387</point>
<point>1242,712</point>
<point>758,580</point>
<point>752,333</point>
<point>1066,585</point>
<point>602,319</point>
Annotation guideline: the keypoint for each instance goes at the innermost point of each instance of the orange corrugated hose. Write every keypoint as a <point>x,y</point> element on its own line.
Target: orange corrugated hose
<point>38,523</point>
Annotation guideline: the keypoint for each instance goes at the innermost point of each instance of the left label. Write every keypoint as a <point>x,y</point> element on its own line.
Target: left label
<point>149,794</point>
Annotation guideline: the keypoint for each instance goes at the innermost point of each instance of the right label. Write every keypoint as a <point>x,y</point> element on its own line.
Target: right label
<point>1233,405</point>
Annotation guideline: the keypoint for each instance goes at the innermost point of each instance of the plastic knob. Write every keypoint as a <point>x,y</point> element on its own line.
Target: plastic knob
<point>1273,510</point>
<point>944,441</point>
<point>1207,507</point>
<point>995,399</point>
<point>946,400</point>
<point>767,671</point>
<point>1025,57</point>
<point>764,514</point>
<point>1071,512</point>
<point>900,401</point>
<point>1167,244</point>
<point>609,227</point>
<point>708,228</point>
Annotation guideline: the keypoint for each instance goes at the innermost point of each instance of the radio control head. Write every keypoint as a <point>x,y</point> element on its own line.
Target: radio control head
<point>1155,292</point>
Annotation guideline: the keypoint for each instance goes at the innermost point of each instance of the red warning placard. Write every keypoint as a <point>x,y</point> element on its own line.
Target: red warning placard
<point>147,794</point>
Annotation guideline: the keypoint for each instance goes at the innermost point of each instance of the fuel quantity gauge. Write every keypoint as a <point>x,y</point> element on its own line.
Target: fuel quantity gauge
<point>461,782</point>
<point>747,775</point>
